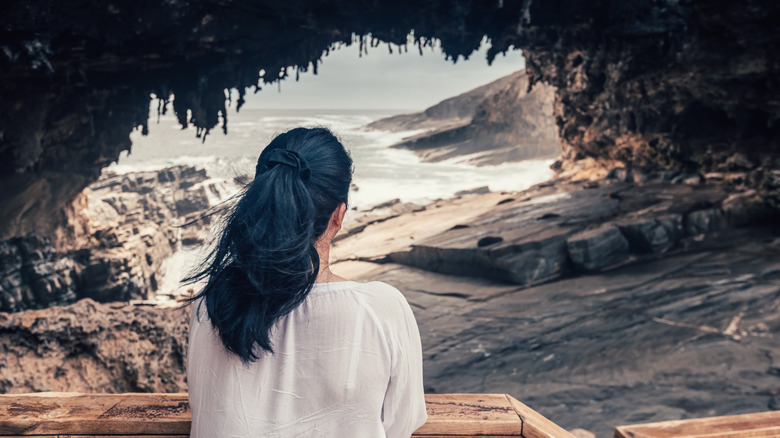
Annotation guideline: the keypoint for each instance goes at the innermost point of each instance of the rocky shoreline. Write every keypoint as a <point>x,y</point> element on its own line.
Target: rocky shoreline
<point>597,301</point>
<point>503,121</point>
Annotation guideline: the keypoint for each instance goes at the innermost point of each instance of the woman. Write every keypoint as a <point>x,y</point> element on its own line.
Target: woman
<point>279,345</point>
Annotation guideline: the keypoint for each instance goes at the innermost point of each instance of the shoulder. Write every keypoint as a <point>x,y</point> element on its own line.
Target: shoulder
<point>383,292</point>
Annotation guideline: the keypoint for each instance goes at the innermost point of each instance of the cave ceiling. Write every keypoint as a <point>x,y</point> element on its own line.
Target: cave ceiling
<point>664,83</point>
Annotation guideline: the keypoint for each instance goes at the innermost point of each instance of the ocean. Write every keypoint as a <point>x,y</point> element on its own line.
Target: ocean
<point>381,173</point>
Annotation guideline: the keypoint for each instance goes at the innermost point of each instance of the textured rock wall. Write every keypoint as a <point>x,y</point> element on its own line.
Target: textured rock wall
<point>656,83</point>
<point>133,223</point>
<point>93,347</point>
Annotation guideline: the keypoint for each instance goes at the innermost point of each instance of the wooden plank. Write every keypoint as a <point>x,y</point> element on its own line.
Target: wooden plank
<point>92,414</point>
<point>535,425</point>
<point>758,425</point>
<point>469,414</point>
<point>168,416</point>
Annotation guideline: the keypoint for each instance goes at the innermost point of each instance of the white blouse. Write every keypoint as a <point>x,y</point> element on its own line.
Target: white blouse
<point>347,363</point>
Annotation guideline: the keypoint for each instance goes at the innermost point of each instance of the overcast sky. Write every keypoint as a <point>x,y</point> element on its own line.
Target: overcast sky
<point>380,80</point>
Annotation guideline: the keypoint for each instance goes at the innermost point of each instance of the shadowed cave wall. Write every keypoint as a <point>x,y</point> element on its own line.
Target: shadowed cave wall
<point>688,85</point>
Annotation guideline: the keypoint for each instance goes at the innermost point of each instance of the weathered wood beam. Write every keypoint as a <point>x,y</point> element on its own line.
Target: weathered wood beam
<point>168,415</point>
<point>758,425</point>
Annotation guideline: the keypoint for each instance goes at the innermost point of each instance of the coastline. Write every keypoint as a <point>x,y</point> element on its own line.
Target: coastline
<point>582,347</point>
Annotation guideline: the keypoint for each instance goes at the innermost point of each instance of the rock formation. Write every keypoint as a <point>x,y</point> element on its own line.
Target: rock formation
<point>133,223</point>
<point>93,347</point>
<point>553,231</point>
<point>659,84</point>
<point>498,122</point>
<point>672,314</point>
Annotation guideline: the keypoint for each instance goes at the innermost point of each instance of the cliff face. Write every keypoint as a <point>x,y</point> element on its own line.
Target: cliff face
<point>653,83</point>
<point>498,122</point>
<point>128,228</point>
<point>93,347</point>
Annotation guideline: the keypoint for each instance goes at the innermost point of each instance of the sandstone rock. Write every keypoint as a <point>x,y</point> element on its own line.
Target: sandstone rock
<point>594,249</point>
<point>673,225</point>
<point>589,351</point>
<point>92,347</point>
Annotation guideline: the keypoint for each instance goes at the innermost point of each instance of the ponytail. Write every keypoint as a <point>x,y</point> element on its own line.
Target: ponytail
<point>265,263</point>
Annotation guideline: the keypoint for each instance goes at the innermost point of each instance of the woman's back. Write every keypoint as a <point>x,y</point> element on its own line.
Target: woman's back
<point>346,363</point>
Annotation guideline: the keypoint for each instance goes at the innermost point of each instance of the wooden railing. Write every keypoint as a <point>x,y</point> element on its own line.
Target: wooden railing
<point>759,425</point>
<point>168,415</point>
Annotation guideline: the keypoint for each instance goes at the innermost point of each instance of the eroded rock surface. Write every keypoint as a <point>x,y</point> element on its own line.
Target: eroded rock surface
<point>133,223</point>
<point>682,326</point>
<point>690,335</point>
<point>559,228</point>
<point>93,347</point>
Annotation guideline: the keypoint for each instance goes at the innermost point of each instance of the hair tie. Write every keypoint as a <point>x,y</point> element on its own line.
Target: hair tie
<point>288,158</point>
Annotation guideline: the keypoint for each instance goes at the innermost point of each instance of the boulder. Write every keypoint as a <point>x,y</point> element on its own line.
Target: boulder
<point>593,249</point>
<point>652,235</point>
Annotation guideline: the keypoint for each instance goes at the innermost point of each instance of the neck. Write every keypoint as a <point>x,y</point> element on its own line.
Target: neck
<point>324,275</point>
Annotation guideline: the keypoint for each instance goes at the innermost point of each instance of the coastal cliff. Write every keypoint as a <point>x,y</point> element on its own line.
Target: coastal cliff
<point>492,124</point>
<point>126,227</point>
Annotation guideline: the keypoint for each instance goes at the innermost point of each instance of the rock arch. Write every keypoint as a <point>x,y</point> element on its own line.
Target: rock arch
<point>669,83</point>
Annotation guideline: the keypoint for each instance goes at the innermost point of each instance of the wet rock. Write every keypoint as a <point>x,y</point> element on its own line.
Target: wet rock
<point>597,248</point>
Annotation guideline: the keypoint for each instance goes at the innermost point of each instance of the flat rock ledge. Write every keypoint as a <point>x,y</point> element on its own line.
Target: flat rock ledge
<point>559,229</point>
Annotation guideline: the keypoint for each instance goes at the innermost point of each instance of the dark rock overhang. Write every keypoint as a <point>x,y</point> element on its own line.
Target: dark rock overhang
<point>667,83</point>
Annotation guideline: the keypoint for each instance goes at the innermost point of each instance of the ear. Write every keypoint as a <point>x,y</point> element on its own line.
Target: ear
<point>337,218</point>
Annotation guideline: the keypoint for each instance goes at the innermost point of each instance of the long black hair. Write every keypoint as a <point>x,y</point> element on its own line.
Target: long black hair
<point>265,263</point>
